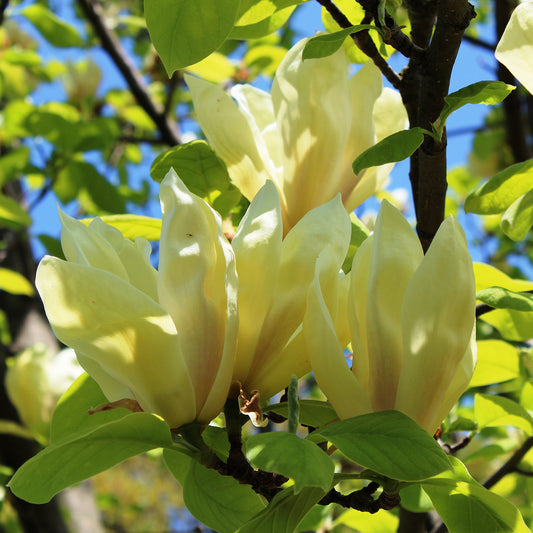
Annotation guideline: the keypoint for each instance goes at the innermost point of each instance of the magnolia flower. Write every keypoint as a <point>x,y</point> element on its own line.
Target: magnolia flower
<point>411,320</point>
<point>274,277</point>
<point>515,49</point>
<point>35,380</point>
<point>164,339</point>
<point>305,135</point>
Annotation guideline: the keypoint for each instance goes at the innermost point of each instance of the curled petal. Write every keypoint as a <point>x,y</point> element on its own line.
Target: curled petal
<point>437,322</point>
<point>130,336</point>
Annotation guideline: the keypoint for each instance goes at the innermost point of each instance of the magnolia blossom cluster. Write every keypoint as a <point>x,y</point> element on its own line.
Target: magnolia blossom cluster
<point>219,318</point>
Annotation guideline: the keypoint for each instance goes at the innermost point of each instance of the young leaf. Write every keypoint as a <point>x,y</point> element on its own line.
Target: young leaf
<point>466,506</point>
<point>220,502</point>
<point>285,453</point>
<point>501,298</point>
<point>204,173</point>
<point>15,283</point>
<point>53,29</point>
<point>284,512</point>
<point>495,411</point>
<point>12,214</point>
<point>133,226</point>
<point>72,460</point>
<point>512,325</point>
<point>314,413</point>
<point>498,193</point>
<point>388,442</point>
<point>185,32</point>
<point>482,92</point>
<point>497,361</point>
<point>395,147</point>
<point>517,220</point>
<point>327,44</point>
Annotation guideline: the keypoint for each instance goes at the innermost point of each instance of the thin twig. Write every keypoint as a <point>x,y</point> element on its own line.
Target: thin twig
<point>510,465</point>
<point>112,46</point>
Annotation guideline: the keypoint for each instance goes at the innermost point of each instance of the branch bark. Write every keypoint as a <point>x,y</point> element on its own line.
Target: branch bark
<point>111,44</point>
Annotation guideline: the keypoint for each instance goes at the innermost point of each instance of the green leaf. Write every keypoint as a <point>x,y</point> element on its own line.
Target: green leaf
<point>253,11</point>
<point>395,147</point>
<point>184,32</point>
<point>497,361</point>
<point>8,427</point>
<point>204,173</point>
<point>389,443</point>
<point>359,233</point>
<point>518,219</point>
<point>56,31</point>
<point>314,413</point>
<point>382,522</point>
<point>263,27</point>
<point>12,214</point>
<point>482,92</point>
<point>294,405</point>
<point>495,411</point>
<point>498,193</point>
<point>133,226</point>
<point>284,512</point>
<point>501,298</point>
<point>102,193</point>
<point>327,44</point>
<point>13,163</point>
<point>289,455</point>
<point>465,506</point>
<point>74,459</point>
<point>512,325</point>
<point>220,502</point>
<point>15,283</point>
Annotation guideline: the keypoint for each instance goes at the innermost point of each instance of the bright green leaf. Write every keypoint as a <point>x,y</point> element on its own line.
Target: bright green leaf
<point>220,502</point>
<point>263,27</point>
<point>253,11</point>
<point>382,522</point>
<point>204,173</point>
<point>289,455</point>
<point>465,506</point>
<point>314,413</point>
<point>72,460</point>
<point>184,32</point>
<point>501,298</point>
<point>388,442</point>
<point>512,325</point>
<point>12,214</point>
<point>518,219</point>
<point>15,283</point>
<point>395,147</point>
<point>499,192</point>
<point>495,411</point>
<point>497,361</point>
<point>359,233</point>
<point>284,512</point>
<point>482,92</point>
<point>133,226</point>
<point>328,43</point>
<point>56,31</point>
<point>13,163</point>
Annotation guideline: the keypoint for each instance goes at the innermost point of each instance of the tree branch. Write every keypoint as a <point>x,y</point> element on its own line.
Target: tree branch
<point>112,46</point>
<point>3,7</point>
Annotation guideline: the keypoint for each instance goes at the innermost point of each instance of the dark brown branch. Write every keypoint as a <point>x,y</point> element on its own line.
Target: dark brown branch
<point>422,16</point>
<point>363,41</point>
<point>510,465</point>
<point>112,46</point>
<point>3,7</point>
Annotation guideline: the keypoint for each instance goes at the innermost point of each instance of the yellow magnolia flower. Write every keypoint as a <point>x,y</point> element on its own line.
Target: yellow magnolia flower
<point>35,380</point>
<point>515,49</point>
<point>165,339</point>
<point>305,135</point>
<point>274,277</point>
<point>411,320</point>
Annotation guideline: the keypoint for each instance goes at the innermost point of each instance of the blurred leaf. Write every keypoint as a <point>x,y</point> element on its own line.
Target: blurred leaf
<point>133,226</point>
<point>289,455</point>
<point>395,147</point>
<point>518,219</point>
<point>15,283</point>
<point>8,427</point>
<point>482,92</point>
<point>220,502</point>
<point>512,325</point>
<point>52,245</point>
<point>253,11</point>
<point>56,31</point>
<point>497,361</point>
<point>495,411</point>
<point>261,28</point>
<point>465,506</point>
<point>74,459</point>
<point>12,214</point>
<point>13,163</point>
<point>264,59</point>
<point>389,443</point>
<point>314,413</point>
<point>204,173</point>
<point>185,32</point>
<point>499,192</point>
<point>284,512</point>
<point>327,44</point>
<point>215,68</point>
